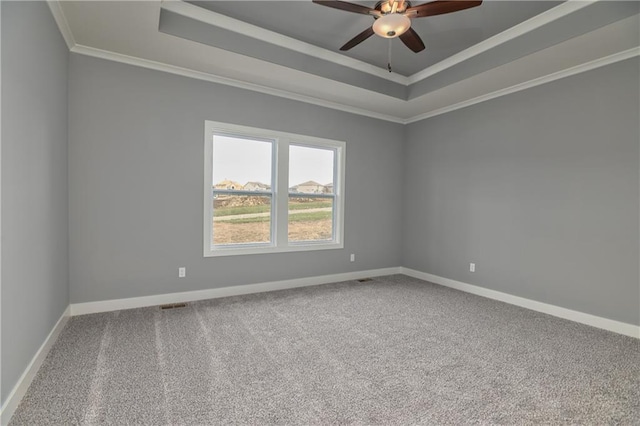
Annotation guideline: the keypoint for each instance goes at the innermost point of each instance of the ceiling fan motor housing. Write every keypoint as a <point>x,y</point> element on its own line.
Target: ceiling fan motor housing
<point>385,6</point>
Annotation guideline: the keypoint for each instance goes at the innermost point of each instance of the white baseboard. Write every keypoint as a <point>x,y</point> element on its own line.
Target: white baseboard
<point>214,293</point>
<point>556,311</point>
<point>16,394</point>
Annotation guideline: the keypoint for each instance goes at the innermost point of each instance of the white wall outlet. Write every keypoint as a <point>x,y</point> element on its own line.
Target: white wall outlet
<point>352,258</point>
<point>472,267</point>
<point>182,272</point>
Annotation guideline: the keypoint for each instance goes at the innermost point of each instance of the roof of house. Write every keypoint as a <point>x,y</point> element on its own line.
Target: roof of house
<point>227,182</point>
<point>310,183</point>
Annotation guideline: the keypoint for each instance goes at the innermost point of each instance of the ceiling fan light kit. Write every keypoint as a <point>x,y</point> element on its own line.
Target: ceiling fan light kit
<point>391,25</point>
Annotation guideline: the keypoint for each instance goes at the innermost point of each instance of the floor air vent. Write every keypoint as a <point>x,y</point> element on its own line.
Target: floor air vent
<point>364,280</point>
<point>173,306</point>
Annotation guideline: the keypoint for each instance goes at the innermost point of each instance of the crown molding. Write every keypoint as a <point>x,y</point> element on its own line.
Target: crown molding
<point>61,20</point>
<point>199,75</point>
<point>241,27</point>
<point>562,10</point>
<point>587,66</point>
<point>569,7</point>
<point>262,34</point>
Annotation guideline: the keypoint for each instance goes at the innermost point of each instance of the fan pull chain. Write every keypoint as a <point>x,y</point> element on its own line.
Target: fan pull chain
<point>389,63</point>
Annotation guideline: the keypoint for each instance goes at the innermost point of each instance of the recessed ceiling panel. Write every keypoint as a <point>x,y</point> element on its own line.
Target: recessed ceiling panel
<point>191,29</point>
<point>581,22</point>
<point>313,71</point>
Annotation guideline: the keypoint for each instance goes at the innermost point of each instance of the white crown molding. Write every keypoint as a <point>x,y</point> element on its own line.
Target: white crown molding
<point>63,24</point>
<point>241,27</point>
<point>564,9</point>
<point>20,389</point>
<point>259,33</point>
<point>215,293</point>
<point>172,69</point>
<point>546,308</point>
<point>199,75</point>
<point>597,63</point>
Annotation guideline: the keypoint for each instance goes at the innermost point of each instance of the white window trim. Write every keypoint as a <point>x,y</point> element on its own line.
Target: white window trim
<point>280,185</point>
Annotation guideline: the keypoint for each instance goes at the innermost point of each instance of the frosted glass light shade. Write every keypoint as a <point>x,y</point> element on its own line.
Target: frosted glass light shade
<point>392,25</point>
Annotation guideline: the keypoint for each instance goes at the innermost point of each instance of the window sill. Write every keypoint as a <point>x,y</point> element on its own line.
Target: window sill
<point>240,251</point>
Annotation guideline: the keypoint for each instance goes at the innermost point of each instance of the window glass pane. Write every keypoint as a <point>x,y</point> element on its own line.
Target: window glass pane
<point>245,212</point>
<point>240,163</point>
<point>311,169</point>
<point>310,219</point>
<point>239,219</point>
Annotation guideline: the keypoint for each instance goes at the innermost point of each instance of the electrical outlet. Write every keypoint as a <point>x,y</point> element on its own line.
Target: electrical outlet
<point>352,258</point>
<point>472,267</point>
<point>182,272</point>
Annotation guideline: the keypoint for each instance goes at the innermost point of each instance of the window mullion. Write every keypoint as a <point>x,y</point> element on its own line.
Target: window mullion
<point>208,194</point>
<point>338,192</point>
<point>282,193</point>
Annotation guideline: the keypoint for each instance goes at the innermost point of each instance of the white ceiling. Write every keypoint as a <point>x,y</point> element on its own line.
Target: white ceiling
<point>565,39</point>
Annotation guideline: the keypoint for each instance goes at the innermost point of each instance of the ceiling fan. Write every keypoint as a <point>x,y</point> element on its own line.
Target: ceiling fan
<point>393,18</point>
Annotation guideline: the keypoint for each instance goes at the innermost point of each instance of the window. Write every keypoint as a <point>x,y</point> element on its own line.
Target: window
<point>267,191</point>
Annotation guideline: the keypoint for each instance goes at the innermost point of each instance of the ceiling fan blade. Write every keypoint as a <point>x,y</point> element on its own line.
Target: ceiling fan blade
<point>412,40</point>
<point>358,39</point>
<point>440,7</point>
<point>349,7</point>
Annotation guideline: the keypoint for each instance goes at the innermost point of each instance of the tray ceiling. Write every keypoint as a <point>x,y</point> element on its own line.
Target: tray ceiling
<point>291,48</point>
<point>444,35</point>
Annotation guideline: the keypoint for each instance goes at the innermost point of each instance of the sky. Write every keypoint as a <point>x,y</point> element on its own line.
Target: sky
<point>243,161</point>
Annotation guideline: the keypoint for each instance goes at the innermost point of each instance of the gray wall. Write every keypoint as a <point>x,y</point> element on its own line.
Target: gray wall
<point>539,188</point>
<point>34,183</point>
<point>136,143</point>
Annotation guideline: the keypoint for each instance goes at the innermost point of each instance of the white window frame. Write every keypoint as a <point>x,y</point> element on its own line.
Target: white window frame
<point>279,191</point>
